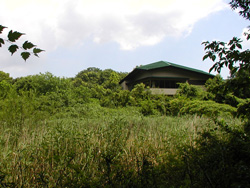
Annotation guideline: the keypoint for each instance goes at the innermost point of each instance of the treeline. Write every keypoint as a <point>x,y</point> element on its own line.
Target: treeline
<point>49,94</point>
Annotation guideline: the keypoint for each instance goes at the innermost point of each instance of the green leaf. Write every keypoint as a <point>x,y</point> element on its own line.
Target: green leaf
<point>36,51</point>
<point>36,55</point>
<point>28,45</point>
<point>2,28</point>
<point>214,67</point>
<point>205,43</point>
<point>25,55</point>
<point>13,48</point>
<point>222,43</point>
<point>239,46</point>
<point>231,42</point>
<point>213,57</point>
<point>205,57</point>
<point>232,47</point>
<point>13,36</point>
<point>1,42</point>
<point>247,34</point>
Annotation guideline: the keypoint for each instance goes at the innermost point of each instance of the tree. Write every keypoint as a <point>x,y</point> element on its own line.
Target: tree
<point>243,5</point>
<point>27,47</point>
<point>91,75</point>
<point>112,82</point>
<point>218,162</point>
<point>5,76</point>
<point>232,56</point>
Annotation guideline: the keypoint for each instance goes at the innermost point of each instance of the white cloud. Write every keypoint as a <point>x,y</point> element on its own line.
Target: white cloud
<point>245,43</point>
<point>130,23</point>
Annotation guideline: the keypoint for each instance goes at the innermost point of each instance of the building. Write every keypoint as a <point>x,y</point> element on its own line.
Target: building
<point>163,77</point>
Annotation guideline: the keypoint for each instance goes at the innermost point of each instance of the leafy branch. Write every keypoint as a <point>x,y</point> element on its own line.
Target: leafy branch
<point>227,55</point>
<point>243,6</point>
<point>231,54</point>
<point>27,47</point>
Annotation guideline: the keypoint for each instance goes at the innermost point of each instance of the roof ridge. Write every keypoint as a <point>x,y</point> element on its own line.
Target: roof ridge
<point>161,64</point>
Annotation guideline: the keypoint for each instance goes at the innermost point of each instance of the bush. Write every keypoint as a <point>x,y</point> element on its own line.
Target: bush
<point>15,109</point>
<point>5,88</point>
<point>219,160</point>
<point>148,107</point>
<point>176,104</point>
<point>207,108</point>
<point>119,98</point>
<point>140,93</point>
<point>244,109</point>
<point>161,103</point>
<point>190,91</point>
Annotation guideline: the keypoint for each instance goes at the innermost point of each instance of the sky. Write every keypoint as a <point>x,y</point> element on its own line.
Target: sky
<point>115,34</point>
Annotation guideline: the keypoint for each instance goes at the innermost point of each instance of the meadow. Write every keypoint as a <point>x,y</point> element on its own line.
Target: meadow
<point>58,132</point>
<point>94,146</point>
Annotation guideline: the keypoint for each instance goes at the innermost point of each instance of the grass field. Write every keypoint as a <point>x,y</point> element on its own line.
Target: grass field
<point>91,146</point>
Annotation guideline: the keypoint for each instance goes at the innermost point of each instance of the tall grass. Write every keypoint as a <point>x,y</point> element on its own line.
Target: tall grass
<point>91,146</point>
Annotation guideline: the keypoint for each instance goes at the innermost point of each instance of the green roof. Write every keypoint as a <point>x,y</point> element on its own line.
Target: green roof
<point>158,65</point>
<point>161,64</point>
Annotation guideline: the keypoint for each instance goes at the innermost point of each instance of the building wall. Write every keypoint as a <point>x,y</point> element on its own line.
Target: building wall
<point>124,85</point>
<point>170,72</point>
<point>165,91</point>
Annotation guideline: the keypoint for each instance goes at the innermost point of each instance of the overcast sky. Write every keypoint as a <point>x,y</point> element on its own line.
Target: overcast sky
<point>115,34</point>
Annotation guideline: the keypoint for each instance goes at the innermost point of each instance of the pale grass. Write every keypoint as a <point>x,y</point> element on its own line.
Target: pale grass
<point>39,154</point>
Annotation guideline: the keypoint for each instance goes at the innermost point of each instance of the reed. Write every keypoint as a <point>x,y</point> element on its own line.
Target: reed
<point>91,146</point>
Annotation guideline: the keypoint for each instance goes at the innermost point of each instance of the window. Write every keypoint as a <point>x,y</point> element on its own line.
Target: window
<point>197,82</point>
<point>166,83</point>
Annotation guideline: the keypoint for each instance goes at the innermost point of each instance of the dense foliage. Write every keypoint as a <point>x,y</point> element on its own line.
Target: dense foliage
<point>88,132</point>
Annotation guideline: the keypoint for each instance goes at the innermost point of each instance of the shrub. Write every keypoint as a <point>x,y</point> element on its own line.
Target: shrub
<point>190,91</point>
<point>207,108</point>
<point>219,159</point>
<point>140,93</point>
<point>148,107</point>
<point>119,98</point>
<point>15,109</point>
<point>244,109</point>
<point>176,104</point>
<point>5,88</point>
<point>161,103</point>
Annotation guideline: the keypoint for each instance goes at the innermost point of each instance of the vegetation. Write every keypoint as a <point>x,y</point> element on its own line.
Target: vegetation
<point>97,147</point>
<point>88,132</point>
